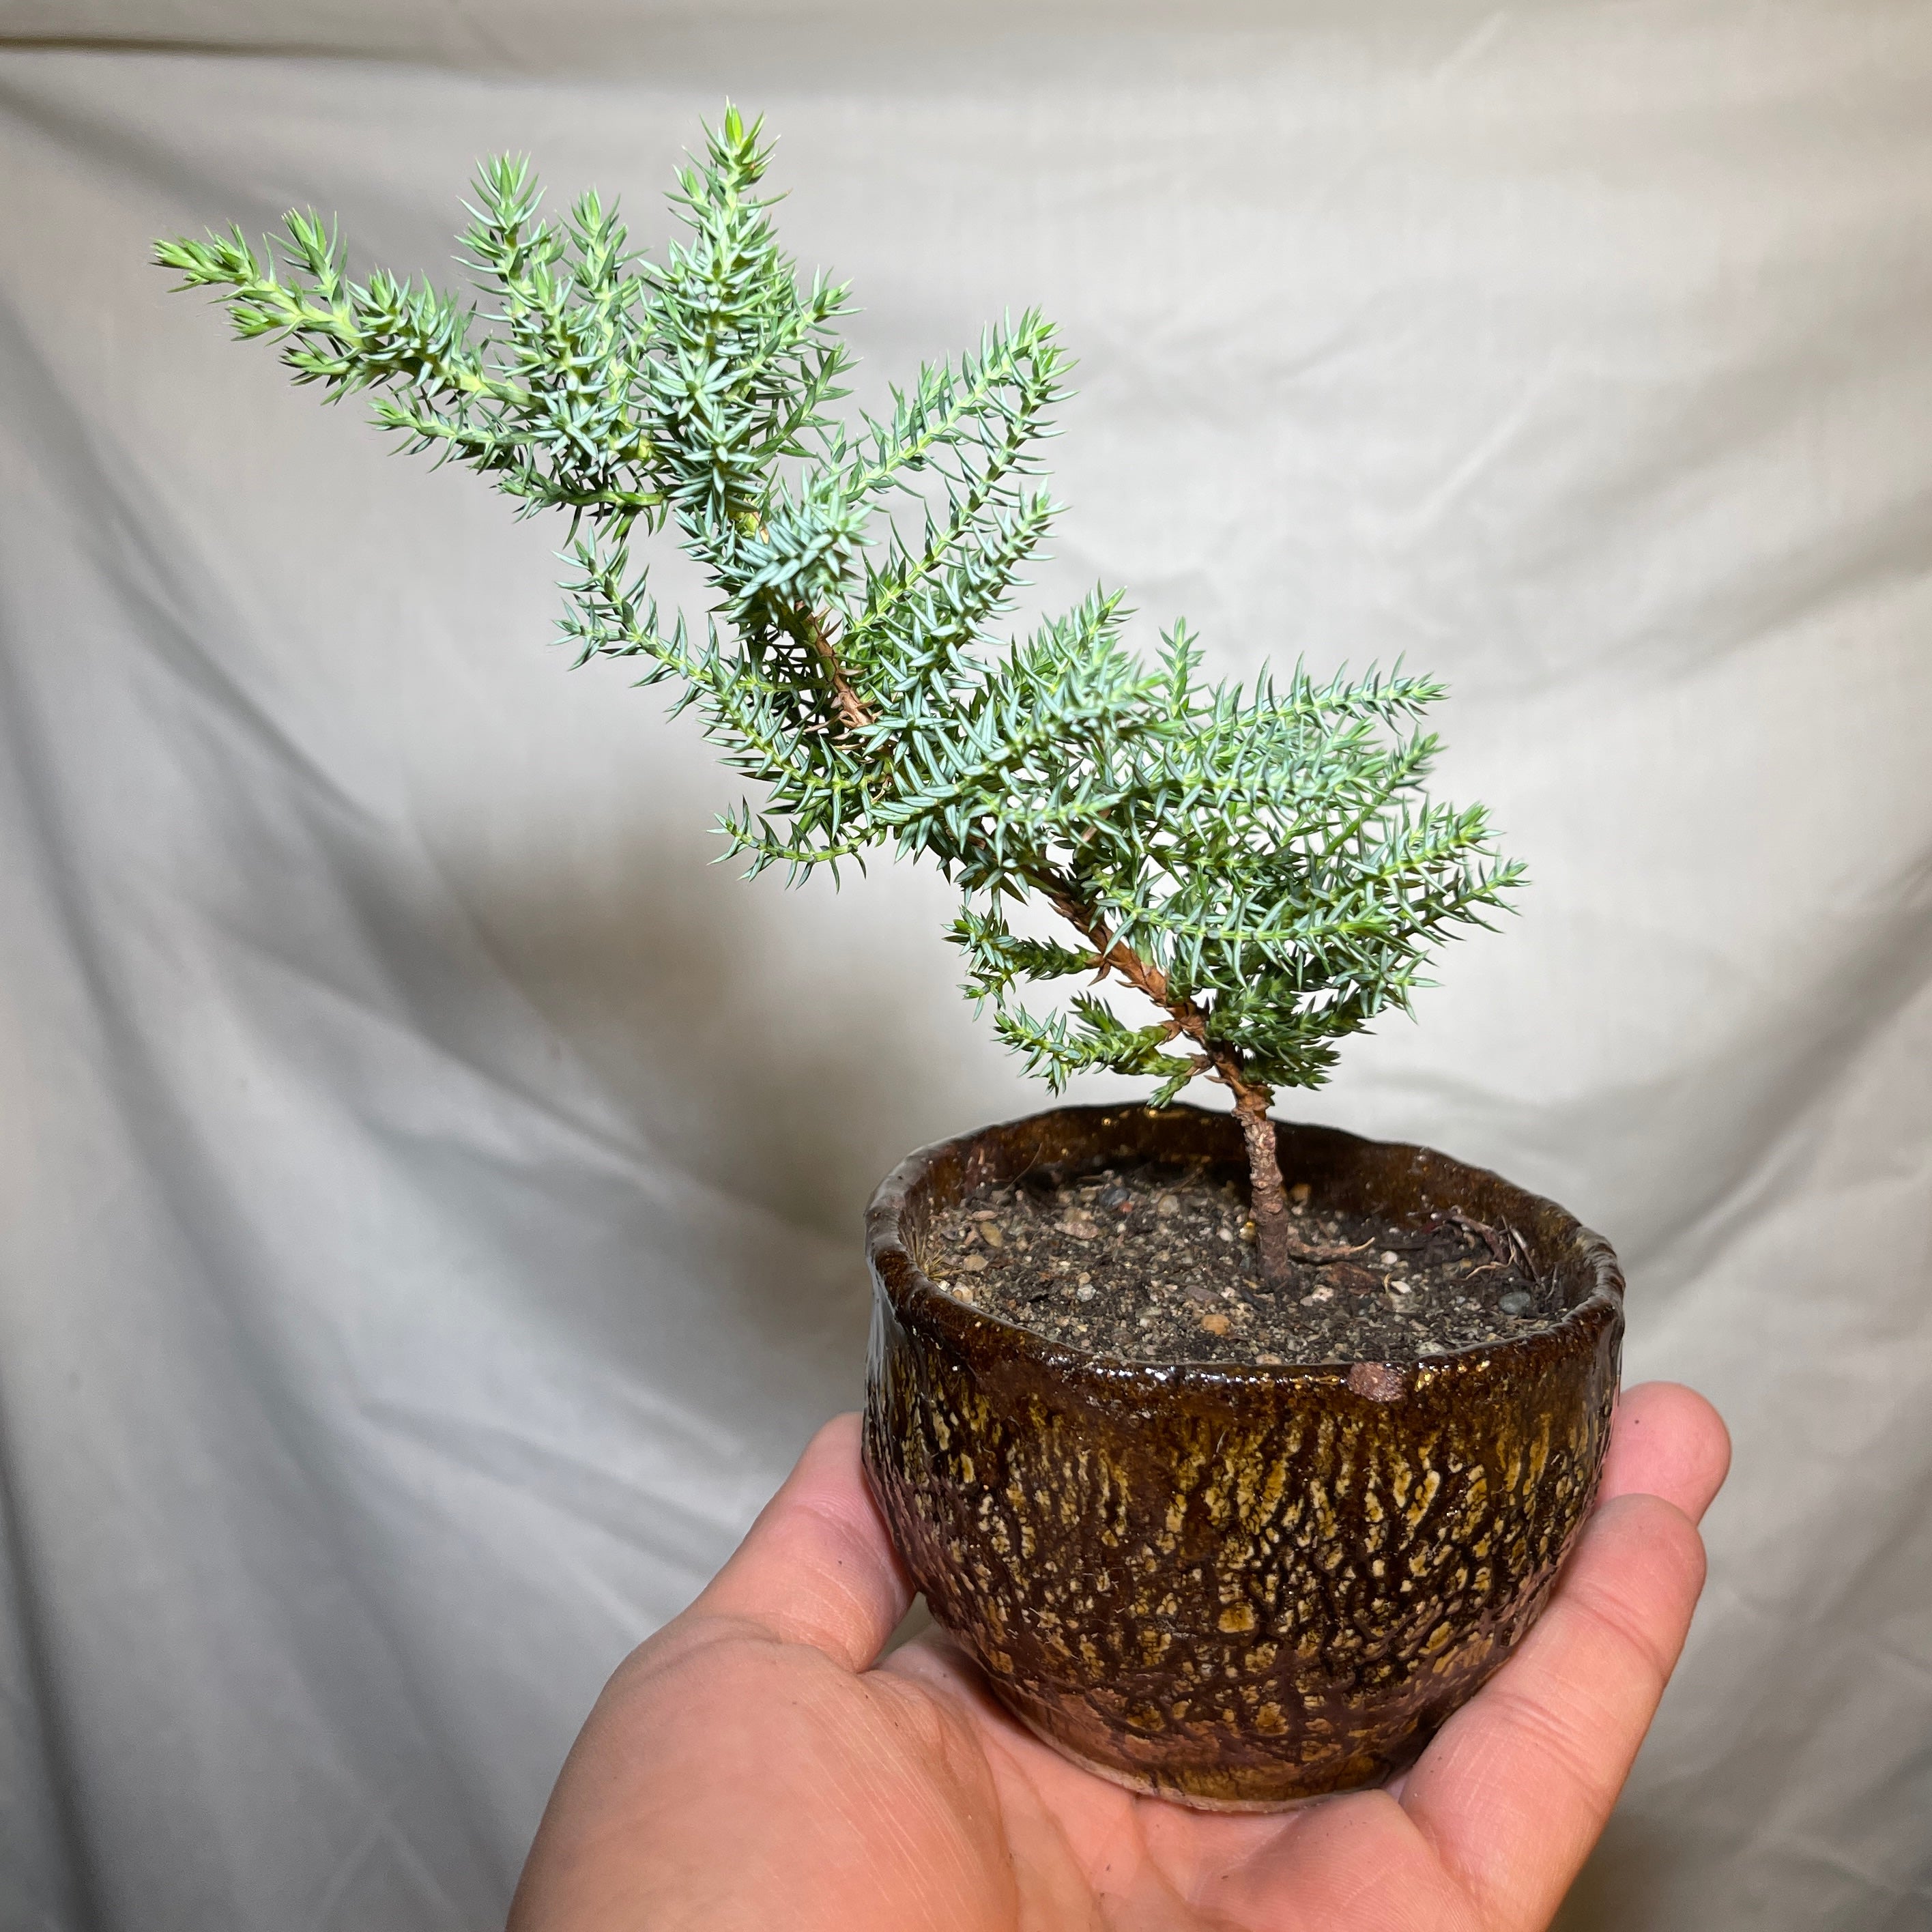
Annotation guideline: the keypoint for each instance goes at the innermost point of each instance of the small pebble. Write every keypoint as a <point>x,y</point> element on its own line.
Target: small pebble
<point>1226,1234</point>
<point>1317,1296</point>
<point>1390,1257</point>
<point>1215,1324</point>
<point>1205,1297</point>
<point>1084,1294</point>
<point>1517,1302</point>
<point>973,1265</point>
<point>1377,1381</point>
<point>990,1233</point>
<point>1166,1205</point>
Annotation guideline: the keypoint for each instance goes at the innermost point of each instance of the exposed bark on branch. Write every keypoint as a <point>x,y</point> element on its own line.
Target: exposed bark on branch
<point>1275,1242</point>
<point>852,707</point>
<point>1277,1245</point>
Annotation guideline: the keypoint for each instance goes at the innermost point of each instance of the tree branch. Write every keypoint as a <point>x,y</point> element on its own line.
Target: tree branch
<point>852,708</point>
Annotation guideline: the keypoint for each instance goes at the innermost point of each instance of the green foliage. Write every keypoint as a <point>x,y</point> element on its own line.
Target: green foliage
<point>1262,862</point>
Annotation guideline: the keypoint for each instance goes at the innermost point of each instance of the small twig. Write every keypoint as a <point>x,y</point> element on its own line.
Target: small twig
<point>1497,1246</point>
<point>1522,1251</point>
<point>1437,1226</point>
<point>851,706</point>
<point>1320,1257</point>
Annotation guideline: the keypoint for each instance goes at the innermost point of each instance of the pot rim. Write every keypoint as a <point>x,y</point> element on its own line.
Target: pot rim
<point>910,1292</point>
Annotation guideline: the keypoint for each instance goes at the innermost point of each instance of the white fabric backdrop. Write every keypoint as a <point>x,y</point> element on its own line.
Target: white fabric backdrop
<point>430,1189</point>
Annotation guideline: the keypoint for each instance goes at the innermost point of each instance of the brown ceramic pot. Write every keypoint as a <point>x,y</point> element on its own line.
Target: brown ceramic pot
<point>1236,1586</point>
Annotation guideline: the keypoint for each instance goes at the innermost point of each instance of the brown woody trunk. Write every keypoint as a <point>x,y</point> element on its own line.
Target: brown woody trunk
<point>1273,1238</point>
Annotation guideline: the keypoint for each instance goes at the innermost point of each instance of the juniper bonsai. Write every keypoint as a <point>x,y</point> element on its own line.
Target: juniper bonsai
<point>1260,863</point>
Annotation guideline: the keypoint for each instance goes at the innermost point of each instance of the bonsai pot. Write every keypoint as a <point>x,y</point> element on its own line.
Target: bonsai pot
<point>1235,1586</point>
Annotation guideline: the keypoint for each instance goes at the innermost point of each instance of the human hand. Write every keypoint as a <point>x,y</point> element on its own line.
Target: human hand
<point>754,1766</point>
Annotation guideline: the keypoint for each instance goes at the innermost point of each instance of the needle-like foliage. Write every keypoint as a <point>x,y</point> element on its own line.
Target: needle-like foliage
<point>1261,863</point>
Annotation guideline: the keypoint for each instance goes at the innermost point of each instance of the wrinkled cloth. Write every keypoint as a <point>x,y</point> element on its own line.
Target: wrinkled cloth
<point>431,1187</point>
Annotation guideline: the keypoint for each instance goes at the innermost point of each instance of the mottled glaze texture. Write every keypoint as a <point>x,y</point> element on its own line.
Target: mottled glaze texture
<point>1237,1586</point>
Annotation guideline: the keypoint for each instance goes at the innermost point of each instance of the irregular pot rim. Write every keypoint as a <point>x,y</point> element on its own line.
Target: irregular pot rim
<point>912,1294</point>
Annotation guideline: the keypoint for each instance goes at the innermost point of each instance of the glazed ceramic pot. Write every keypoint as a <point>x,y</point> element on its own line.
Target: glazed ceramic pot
<point>1236,1586</point>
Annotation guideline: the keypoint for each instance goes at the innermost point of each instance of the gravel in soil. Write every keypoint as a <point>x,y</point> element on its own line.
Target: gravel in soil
<point>1158,1264</point>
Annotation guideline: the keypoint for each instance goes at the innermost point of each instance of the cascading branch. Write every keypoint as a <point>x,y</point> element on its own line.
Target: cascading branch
<point>1261,864</point>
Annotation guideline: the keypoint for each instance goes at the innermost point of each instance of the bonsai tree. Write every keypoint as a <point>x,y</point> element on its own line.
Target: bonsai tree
<point>1259,865</point>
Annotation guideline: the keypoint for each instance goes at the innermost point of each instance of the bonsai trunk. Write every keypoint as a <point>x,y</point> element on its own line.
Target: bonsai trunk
<point>1274,1241</point>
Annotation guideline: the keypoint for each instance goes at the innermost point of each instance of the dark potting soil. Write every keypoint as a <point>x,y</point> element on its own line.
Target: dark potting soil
<point>1157,1263</point>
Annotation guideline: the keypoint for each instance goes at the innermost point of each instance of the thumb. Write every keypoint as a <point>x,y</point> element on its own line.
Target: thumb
<point>817,1567</point>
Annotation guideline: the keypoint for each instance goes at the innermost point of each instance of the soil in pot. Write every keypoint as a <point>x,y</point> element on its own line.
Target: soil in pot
<point>1156,1263</point>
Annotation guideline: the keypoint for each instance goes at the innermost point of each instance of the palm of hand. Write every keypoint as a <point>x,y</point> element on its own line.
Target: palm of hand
<point>749,1767</point>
